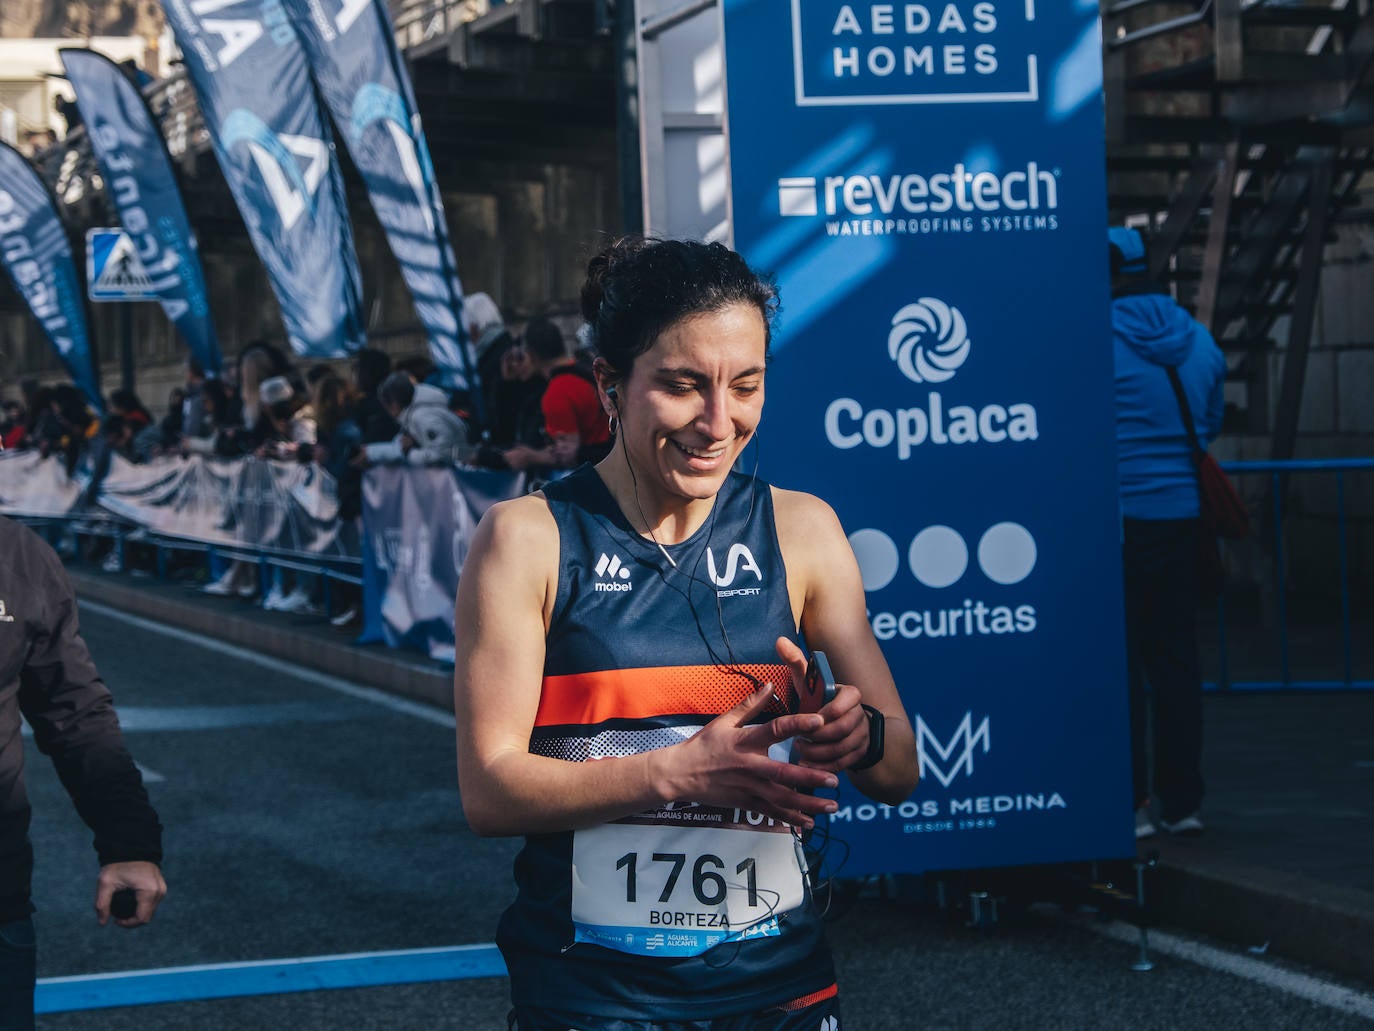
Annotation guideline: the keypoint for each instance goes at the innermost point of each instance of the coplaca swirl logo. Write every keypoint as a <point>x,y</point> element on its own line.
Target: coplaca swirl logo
<point>929,341</point>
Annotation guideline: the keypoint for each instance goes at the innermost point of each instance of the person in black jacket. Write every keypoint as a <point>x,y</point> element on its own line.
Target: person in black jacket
<point>46,673</point>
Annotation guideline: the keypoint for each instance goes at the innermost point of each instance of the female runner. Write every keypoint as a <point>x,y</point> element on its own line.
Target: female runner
<point>648,613</point>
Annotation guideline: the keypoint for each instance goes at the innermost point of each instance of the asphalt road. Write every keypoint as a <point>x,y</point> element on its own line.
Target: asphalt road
<point>304,821</point>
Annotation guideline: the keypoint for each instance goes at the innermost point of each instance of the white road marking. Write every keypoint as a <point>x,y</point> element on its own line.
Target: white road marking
<point>228,717</point>
<point>1304,986</point>
<point>416,709</point>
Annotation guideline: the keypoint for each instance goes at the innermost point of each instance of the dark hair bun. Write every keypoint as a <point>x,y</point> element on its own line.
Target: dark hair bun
<point>601,266</point>
<point>636,288</point>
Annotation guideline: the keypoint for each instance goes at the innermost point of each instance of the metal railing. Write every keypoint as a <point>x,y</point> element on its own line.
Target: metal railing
<point>1273,520</point>
<point>415,23</point>
<point>271,563</point>
<point>69,167</point>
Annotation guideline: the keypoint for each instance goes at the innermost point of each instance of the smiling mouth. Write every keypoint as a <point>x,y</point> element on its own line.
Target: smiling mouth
<point>703,453</point>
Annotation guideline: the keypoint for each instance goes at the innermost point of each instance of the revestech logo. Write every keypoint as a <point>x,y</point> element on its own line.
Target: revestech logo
<point>956,200</point>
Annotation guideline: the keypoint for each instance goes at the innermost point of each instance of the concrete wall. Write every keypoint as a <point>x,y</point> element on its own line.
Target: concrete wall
<point>1336,421</point>
<point>525,242</point>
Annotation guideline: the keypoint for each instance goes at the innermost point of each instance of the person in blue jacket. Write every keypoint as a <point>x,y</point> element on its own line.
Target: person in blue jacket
<point>1158,488</point>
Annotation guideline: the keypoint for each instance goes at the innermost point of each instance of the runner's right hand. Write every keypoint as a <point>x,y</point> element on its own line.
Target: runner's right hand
<point>727,764</point>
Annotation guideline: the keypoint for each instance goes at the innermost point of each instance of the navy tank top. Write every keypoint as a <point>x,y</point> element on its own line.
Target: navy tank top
<point>688,911</point>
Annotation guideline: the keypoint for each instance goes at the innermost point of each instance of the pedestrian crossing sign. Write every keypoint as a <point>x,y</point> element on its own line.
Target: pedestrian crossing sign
<point>114,271</point>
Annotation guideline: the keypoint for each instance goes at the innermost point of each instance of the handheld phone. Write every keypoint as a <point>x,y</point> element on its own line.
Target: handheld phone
<point>818,687</point>
<point>123,904</point>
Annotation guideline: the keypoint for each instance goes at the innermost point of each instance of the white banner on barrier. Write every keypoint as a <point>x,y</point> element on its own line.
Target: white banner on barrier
<point>285,506</point>
<point>36,487</point>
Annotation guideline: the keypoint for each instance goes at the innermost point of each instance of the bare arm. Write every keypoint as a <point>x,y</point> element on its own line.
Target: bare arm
<point>505,598</point>
<point>827,594</point>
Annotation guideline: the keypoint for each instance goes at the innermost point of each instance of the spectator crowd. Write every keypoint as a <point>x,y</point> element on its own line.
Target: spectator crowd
<point>537,413</point>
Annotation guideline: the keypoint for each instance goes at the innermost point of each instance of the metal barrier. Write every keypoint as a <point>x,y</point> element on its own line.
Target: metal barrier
<point>1273,525</point>
<point>1272,522</point>
<point>271,562</point>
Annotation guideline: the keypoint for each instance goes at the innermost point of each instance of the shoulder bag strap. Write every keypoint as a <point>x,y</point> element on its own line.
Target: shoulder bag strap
<point>1184,410</point>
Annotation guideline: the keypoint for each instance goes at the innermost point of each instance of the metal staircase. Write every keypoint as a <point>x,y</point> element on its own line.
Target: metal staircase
<point>1238,135</point>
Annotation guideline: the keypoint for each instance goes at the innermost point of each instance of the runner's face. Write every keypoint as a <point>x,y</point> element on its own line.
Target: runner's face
<point>692,402</point>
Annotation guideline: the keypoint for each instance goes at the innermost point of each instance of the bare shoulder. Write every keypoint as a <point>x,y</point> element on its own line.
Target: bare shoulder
<point>820,564</point>
<point>522,529</point>
<point>810,536</point>
<point>802,517</point>
<point>529,512</point>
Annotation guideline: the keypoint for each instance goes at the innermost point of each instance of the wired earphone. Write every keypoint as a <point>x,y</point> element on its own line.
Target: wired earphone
<point>730,662</point>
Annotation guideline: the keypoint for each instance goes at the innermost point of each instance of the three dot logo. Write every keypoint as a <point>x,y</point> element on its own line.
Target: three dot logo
<point>928,341</point>
<point>939,556</point>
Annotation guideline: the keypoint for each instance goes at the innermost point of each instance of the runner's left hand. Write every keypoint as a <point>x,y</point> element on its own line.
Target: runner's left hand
<point>843,738</point>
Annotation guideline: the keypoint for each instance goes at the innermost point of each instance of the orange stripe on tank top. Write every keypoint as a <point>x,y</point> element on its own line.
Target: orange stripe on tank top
<point>810,1000</point>
<point>649,691</point>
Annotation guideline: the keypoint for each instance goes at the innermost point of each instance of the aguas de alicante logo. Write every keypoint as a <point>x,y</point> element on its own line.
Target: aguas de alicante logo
<point>929,341</point>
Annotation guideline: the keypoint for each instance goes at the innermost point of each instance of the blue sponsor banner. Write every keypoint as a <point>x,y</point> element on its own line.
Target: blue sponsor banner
<point>38,257</point>
<point>926,182</point>
<point>418,524</point>
<point>255,92</point>
<point>138,175</point>
<point>367,89</point>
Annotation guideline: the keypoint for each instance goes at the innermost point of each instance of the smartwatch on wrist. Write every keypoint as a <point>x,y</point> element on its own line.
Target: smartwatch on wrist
<point>877,726</point>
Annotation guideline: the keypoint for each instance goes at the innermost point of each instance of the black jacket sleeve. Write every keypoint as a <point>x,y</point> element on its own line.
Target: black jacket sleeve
<point>74,723</point>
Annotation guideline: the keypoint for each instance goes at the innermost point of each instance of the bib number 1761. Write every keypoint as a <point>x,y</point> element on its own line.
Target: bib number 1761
<point>708,883</point>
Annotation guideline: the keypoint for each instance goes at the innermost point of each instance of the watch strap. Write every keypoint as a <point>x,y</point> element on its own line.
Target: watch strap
<point>877,727</point>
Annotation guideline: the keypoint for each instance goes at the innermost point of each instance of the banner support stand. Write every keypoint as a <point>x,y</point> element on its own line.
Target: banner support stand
<point>126,346</point>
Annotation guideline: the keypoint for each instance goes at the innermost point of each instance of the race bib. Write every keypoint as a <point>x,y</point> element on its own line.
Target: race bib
<point>681,880</point>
